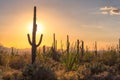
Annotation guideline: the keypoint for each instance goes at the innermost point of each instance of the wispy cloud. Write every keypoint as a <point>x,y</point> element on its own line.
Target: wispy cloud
<point>110,10</point>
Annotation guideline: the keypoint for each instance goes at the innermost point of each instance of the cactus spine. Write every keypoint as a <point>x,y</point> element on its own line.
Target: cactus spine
<point>33,42</point>
<point>68,44</point>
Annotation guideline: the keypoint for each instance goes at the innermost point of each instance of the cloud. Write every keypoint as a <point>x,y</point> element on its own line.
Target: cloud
<point>110,10</point>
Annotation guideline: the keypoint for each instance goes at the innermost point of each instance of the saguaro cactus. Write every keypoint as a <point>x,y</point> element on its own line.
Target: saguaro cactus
<point>68,44</point>
<point>33,42</point>
<point>54,42</point>
<point>95,48</point>
<point>82,47</point>
<point>78,42</point>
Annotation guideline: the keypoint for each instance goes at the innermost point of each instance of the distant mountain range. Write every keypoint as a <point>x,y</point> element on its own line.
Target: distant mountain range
<point>19,51</point>
<point>15,50</point>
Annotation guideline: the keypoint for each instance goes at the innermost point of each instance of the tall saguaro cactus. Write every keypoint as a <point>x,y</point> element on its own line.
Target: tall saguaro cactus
<point>33,42</point>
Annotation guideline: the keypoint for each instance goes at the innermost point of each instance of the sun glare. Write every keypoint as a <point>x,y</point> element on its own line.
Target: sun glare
<point>39,28</point>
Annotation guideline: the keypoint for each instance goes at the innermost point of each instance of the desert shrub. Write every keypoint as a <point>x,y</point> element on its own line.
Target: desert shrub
<point>4,59</point>
<point>8,77</point>
<point>110,58</point>
<point>87,57</point>
<point>17,62</point>
<point>11,75</point>
<point>83,72</point>
<point>37,72</point>
<point>96,68</point>
<point>71,75</point>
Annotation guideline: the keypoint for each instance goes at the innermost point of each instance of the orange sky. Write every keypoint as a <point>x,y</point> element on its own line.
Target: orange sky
<point>78,21</point>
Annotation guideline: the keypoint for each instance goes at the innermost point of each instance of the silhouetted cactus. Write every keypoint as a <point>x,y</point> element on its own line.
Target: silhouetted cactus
<point>95,48</point>
<point>82,47</point>
<point>33,42</point>
<point>54,42</point>
<point>78,42</point>
<point>68,44</point>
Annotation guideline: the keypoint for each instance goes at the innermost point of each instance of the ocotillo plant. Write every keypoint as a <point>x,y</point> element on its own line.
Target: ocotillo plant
<point>82,47</point>
<point>78,42</point>
<point>95,48</point>
<point>33,42</point>
<point>68,44</point>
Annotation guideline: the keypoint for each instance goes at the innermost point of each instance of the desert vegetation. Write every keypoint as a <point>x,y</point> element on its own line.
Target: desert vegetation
<point>72,63</point>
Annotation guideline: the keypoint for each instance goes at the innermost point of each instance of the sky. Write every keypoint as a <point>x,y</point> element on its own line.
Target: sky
<point>88,20</point>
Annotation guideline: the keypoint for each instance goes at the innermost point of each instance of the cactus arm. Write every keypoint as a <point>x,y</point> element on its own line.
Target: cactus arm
<point>29,39</point>
<point>40,40</point>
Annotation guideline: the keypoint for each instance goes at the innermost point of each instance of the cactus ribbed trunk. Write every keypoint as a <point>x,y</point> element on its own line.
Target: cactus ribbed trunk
<point>33,42</point>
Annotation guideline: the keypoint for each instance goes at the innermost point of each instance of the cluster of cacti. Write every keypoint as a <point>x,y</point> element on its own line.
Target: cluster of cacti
<point>33,41</point>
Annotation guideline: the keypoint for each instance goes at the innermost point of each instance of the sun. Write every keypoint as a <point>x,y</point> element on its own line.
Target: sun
<point>39,28</point>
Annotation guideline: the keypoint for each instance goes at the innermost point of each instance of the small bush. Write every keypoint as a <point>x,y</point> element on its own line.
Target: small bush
<point>96,68</point>
<point>17,62</point>
<point>37,72</point>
